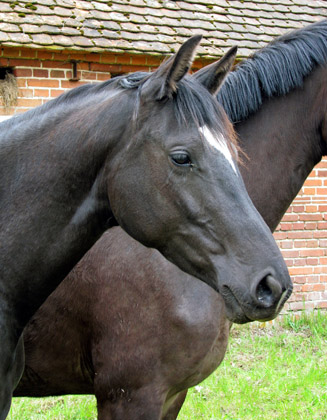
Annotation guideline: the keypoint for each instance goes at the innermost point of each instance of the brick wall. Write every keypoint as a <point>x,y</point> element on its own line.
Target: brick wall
<point>43,74</point>
<point>302,235</point>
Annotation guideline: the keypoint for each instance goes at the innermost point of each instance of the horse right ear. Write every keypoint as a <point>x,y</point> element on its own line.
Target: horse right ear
<point>163,82</point>
<point>213,75</point>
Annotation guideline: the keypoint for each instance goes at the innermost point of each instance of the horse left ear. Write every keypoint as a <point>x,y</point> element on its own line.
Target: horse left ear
<point>163,82</point>
<point>213,75</point>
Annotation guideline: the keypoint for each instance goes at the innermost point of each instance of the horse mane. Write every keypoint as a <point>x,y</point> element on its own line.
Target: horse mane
<point>192,102</point>
<point>274,70</point>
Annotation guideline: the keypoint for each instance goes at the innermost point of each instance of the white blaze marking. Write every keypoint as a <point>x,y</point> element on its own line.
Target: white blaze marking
<point>219,143</point>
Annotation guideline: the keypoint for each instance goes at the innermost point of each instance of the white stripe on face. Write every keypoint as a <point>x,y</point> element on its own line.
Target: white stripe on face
<point>219,143</point>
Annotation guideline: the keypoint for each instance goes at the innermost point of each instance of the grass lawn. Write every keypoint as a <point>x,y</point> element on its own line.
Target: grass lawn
<point>273,372</point>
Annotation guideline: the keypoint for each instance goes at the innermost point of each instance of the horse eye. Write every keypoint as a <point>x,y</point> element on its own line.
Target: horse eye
<point>181,159</point>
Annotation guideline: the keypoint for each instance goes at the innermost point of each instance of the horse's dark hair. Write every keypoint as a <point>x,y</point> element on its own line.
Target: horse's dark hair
<point>274,70</point>
<point>192,102</point>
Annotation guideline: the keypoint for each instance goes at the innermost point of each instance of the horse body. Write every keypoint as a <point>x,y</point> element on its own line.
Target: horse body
<point>86,161</point>
<point>139,355</point>
<point>112,346</point>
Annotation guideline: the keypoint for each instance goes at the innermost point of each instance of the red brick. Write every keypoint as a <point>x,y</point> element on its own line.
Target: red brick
<point>102,67</point>
<point>107,59</point>
<point>311,252</point>
<point>321,191</point>
<point>40,73</point>
<point>43,83</point>
<point>130,69</point>
<point>93,57</point>
<point>154,61</point>
<point>23,63</point>
<point>320,270</point>
<point>4,62</point>
<point>310,216</point>
<point>300,244</point>
<point>45,55</point>
<point>125,60</point>
<point>298,226</point>
<point>74,56</point>
<point>294,271</point>
<point>286,244</point>
<point>89,75</point>
<point>322,225</point>
<point>110,68</point>
<point>103,76</point>
<point>139,60</point>
<point>60,74</point>
<point>11,52</point>
<point>290,254</point>
<point>29,103</point>
<point>21,82</point>
<point>286,226</point>
<point>56,64</point>
<point>43,93</point>
<point>56,92</point>
<point>66,84</point>
<point>298,209</point>
<point>307,288</point>
<point>290,217</point>
<point>312,261</point>
<point>26,93</point>
<point>300,235</point>
<point>23,72</point>
<point>280,235</point>
<point>308,191</point>
<point>299,279</point>
<point>313,182</point>
<point>320,234</point>
<point>312,243</point>
<point>311,209</point>
<point>28,53</point>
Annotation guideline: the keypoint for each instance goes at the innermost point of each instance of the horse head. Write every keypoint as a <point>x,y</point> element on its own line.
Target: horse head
<point>181,191</point>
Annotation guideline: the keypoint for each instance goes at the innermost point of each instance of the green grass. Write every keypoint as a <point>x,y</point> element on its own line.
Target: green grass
<point>276,372</point>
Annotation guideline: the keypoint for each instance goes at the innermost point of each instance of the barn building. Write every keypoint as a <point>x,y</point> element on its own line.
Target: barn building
<point>50,46</point>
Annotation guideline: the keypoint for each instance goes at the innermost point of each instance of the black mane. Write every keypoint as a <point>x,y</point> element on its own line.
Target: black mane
<point>274,70</point>
<point>192,102</point>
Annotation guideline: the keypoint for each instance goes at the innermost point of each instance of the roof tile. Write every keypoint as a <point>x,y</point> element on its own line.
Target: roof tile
<point>152,26</point>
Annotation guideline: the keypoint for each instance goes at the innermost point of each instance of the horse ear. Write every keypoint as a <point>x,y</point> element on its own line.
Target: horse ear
<point>212,76</point>
<point>176,67</point>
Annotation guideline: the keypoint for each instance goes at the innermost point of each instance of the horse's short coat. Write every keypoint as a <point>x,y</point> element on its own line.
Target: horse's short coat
<point>95,157</point>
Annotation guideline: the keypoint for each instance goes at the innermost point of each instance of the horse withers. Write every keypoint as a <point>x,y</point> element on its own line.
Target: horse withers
<point>153,154</point>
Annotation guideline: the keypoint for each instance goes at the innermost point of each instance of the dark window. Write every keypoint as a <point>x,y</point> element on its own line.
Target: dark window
<point>4,71</point>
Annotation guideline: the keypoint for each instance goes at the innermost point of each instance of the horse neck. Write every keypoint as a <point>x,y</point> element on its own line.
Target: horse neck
<point>283,141</point>
<point>54,201</point>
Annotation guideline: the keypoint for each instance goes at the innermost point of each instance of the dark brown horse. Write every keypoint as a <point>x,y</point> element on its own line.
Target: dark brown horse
<point>140,359</point>
<point>143,153</point>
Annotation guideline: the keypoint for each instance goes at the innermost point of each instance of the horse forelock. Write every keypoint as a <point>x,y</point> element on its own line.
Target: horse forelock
<point>192,103</point>
<point>274,70</point>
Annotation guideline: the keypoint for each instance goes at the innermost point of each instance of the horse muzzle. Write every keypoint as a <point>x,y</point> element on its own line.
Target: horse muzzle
<point>262,302</point>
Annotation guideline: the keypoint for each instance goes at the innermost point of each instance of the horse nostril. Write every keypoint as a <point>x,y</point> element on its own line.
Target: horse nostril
<point>268,291</point>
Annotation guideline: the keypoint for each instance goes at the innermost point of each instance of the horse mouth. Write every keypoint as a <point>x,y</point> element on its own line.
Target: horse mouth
<point>234,311</point>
